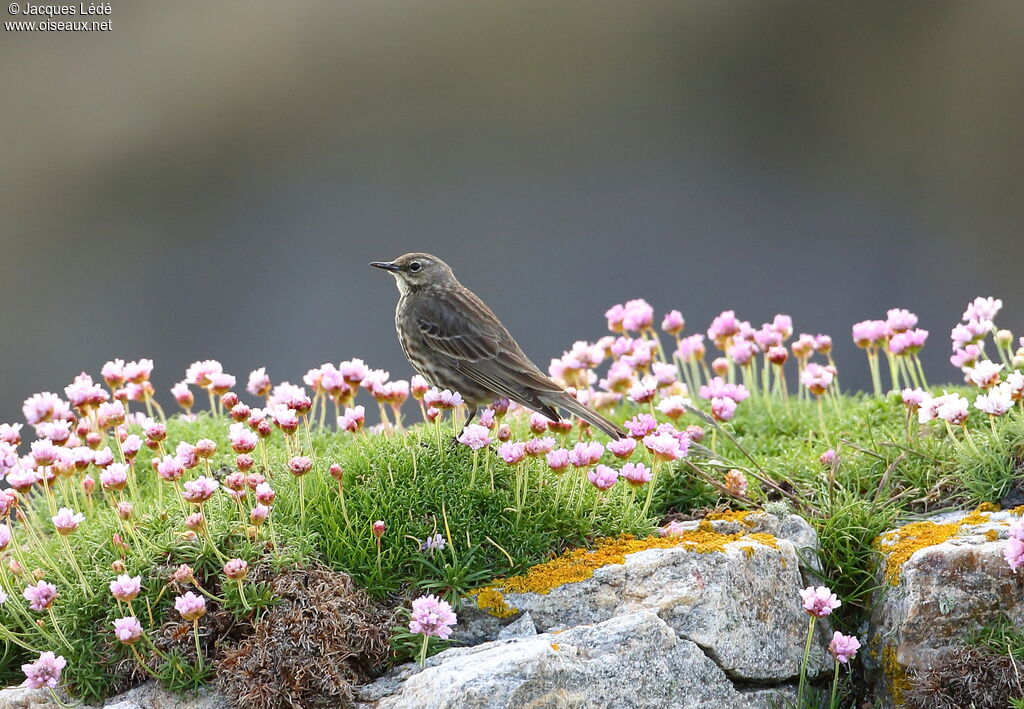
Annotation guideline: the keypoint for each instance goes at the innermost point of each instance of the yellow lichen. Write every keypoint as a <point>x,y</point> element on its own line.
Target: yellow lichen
<point>555,646</point>
<point>491,600</point>
<point>1018,510</point>
<point>729,516</point>
<point>992,535</point>
<point>895,673</point>
<point>900,544</point>
<point>580,564</point>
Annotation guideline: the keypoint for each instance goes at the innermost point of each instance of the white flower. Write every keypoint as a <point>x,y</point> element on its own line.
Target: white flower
<point>996,402</point>
<point>985,373</point>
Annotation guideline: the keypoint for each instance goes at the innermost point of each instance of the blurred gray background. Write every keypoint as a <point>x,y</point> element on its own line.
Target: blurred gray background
<point>211,179</point>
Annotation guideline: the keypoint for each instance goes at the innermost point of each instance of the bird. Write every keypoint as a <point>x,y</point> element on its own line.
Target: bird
<point>456,342</point>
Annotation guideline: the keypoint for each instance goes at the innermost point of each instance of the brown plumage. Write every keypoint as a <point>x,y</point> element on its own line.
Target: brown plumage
<point>453,339</point>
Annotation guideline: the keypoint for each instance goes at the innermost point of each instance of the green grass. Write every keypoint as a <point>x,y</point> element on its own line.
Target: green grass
<point>419,484</point>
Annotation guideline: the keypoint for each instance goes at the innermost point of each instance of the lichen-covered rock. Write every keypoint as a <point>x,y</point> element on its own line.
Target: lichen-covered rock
<point>939,580</point>
<point>729,585</point>
<point>627,662</point>
<point>149,695</point>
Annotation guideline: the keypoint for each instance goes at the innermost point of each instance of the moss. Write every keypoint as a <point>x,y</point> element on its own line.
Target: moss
<point>580,564</point>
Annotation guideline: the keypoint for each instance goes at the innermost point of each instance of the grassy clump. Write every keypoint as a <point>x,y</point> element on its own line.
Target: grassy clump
<point>887,470</point>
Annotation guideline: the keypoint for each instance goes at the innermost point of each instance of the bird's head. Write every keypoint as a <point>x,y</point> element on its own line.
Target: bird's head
<point>416,270</point>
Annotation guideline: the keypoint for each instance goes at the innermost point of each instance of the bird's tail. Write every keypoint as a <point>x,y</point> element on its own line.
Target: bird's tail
<point>568,401</point>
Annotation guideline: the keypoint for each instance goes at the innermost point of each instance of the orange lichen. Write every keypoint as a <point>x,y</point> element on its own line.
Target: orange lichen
<point>580,564</point>
<point>555,646</point>
<point>900,544</point>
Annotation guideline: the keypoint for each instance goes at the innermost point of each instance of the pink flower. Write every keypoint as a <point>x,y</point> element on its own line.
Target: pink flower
<point>40,596</point>
<point>614,315</point>
<point>622,448</point>
<point>169,468</point>
<point>828,457</point>
<point>558,459</point>
<point>259,382</point>
<point>1014,552</point>
<point>432,616</point>
<point>103,457</point>
<point>258,515</point>
<point>951,408</point>
<point>5,536</point>
<point>512,453</point>
<point>353,419</point>
<point>44,672</point>
<point>985,374</point>
<point>236,569</point>
<point>723,409</point>
<point>870,333</point>
<point>637,315</point>
<point>186,455</point>
<point>300,465</point>
<point>378,528</point>
<point>536,447</point>
<point>66,521</point>
<point>584,455</point>
<point>843,647</point>
<point>602,477</point>
<point>817,378</point>
<point>241,438</point>
<point>819,601</point>
<point>641,425</point>
<point>127,630</point>
<point>996,402</point>
<point>672,529</point>
<point>723,327</point>
<point>190,606</point>
<point>803,346</point>
<point>718,388</point>
<point>965,358</point>
<point>636,474</point>
<point>442,399</point>
<point>900,319</point>
<point>691,349</point>
<point>983,309</point>
<point>742,352</point>
<point>113,373</point>
<point>667,447</point>
<point>643,391</point>
<point>44,452</point>
<point>777,355</point>
<point>673,322</point>
<point>199,490</point>
<point>736,483</point>
<point>475,436</point>
<point>913,398</point>
<point>264,493</point>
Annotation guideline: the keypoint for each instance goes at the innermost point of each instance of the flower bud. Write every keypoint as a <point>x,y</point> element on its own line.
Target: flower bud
<point>93,439</point>
<point>337,472</point>
<point>229,400</point>
<point>118,567</point>
<point>244,462</point>
<point>378,528</point>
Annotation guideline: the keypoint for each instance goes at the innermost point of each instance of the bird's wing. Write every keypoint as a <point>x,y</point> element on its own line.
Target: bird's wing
<point>456,323</point>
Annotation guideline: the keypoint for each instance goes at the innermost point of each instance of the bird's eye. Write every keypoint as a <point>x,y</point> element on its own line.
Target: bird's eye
<point>414,266</point>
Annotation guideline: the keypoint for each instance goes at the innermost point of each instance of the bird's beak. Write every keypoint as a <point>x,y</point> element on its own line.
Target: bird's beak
<point>386,265</point>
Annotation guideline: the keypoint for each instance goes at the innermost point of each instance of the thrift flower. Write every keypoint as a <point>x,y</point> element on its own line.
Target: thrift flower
<point>673,323</point>
<point>641,425</point>
<point>723,409</point>
<point>432,616</point>
<point>512,453</point>
<point>622,448</point>
<point>44,672</point>
<point>558,459</point>
<point>258,515</point>
<point>673,406</point>
<point>667,447</point>
<point>636,474</point>
<point>199,490</point>
<point>736,483</point>
<point>128,630</point>
<point>843,647</point>
<point>985,374</point>
<point>819,601</point>
<point>66,521</point>
<point>236,569</point>
<point>115,477</point>
<point>190,606</point>
<point>378,528</point>
<point>602,477</point>
<point>586,454</point>
<point>40,596</point>
<point>475,436</point>
<point>5,536</point>
<point>995,402</point>
<point>300,465</point>
<point>536,447</point>
<point>817,378</point>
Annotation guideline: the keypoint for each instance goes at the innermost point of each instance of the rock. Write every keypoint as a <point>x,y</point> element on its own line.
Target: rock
<point>521,628</point>
<point>629,661</point>
<point>739,602</point>
<point>940,580</point>
<point>149,695</point>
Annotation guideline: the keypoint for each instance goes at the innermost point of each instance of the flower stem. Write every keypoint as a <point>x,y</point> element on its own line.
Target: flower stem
<point>803,665</point>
